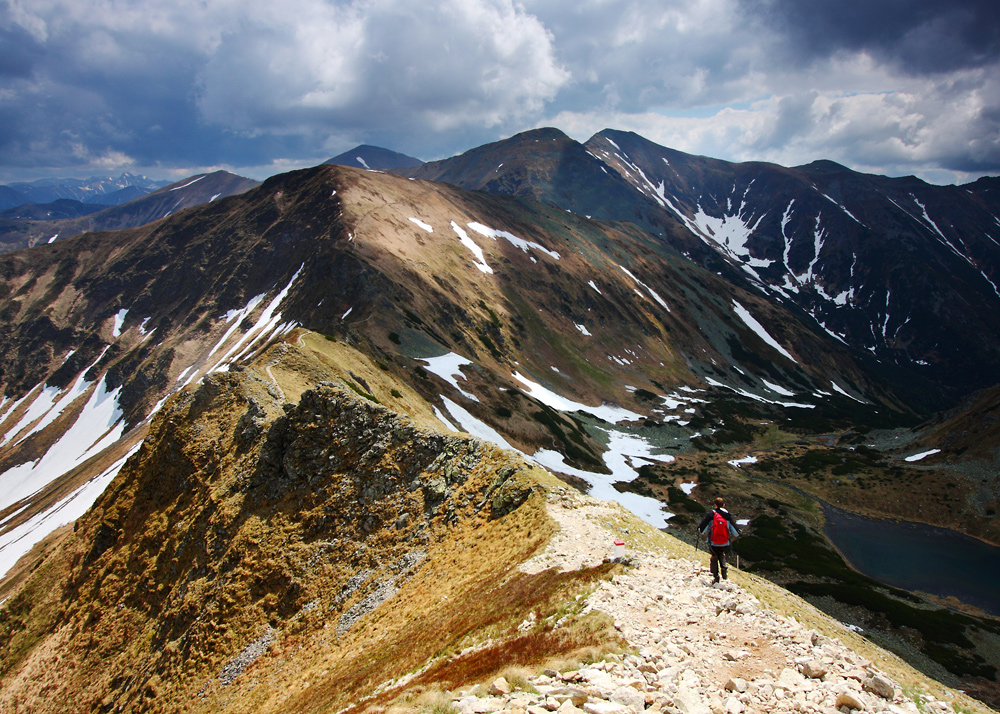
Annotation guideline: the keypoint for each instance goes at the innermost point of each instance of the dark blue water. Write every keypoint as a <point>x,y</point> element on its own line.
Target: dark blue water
<point>917,557</point>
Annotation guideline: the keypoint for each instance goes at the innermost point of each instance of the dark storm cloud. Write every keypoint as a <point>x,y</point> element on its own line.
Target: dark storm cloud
<point>920,36</point>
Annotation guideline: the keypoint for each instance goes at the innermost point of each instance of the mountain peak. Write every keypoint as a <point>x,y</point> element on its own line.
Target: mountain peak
<point>546,133</point>
<point>365,156</point>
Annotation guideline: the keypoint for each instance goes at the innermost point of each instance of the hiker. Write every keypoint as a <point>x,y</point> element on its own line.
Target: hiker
<point>718,527</point>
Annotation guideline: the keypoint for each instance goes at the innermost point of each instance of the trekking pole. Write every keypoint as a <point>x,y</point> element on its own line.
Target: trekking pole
<point>737,564</point>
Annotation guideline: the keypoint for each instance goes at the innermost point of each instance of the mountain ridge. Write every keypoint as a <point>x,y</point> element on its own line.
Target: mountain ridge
<point>590,346</point>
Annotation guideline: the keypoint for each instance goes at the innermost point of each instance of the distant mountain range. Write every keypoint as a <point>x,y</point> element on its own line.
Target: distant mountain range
<point>96,189</point>
<point>31,224</point>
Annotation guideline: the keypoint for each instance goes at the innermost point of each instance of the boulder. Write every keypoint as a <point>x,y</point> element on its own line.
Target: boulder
<point>500,687</point>
<point>689,702</point>
<point>813,669</point>
<point>790,679</point>
<point>631,698</point>
<point>734,706</point>
<point>735,684</point>
<point>605,707</point>
<point>877,684</point>
<point>851,700</point>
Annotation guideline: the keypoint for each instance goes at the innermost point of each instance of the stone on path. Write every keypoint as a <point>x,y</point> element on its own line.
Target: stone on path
<point>605,707</point>
<point>813,669</point>
<point>735,684</point>
<point>879,685</point>
<point>500,687</point>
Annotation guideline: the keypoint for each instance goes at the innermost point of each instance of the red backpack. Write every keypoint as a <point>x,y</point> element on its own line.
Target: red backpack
<point>720,529</point>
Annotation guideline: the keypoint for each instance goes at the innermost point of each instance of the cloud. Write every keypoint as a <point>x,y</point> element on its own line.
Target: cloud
<point>901,86</point>
<point>947,129</point>
<point>918,36</point>
<point>166,81</point>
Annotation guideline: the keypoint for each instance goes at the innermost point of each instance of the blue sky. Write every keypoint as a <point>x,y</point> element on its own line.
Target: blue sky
<point>257,87</point>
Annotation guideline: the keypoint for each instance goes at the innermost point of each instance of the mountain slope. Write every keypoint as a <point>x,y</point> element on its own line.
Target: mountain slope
<point>192,191</point>
<point>541,306</point>
<point>896,269</point>
<point>861,254</point>
<point>330,556</point>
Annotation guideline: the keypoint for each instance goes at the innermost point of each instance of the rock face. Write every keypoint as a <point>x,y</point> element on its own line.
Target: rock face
<point>236,516</point>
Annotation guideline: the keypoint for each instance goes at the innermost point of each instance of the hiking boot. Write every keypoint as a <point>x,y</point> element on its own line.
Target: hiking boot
<point>715,579</point>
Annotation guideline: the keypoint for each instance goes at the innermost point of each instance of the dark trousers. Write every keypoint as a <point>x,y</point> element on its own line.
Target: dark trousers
<point>718,558</point>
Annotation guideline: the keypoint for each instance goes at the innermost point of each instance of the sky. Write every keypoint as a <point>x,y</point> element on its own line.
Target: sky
<point>257,87</point>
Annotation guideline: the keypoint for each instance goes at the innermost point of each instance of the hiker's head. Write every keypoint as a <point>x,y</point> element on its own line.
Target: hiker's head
<point>719,503</point>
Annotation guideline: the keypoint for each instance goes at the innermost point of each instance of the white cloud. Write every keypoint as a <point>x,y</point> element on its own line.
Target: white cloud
<point>943,128</point>
<point>380,64</point>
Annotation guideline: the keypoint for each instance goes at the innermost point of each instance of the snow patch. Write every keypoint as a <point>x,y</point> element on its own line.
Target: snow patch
<point>647,288</point>
<point>778,389</point>
<point>752,323</point>
<point>18,541</point>
<point>524,245</point>
<point>583,329</point>
<point>449,368</point>
<point>625,454</point>
<point>444,420</point>
<point>837,388</point>
<point>98,425</point>
<point>736,463</point>
<point>608,412</point>
<point>474,426</point>
<point>266,325</point>
<point>423,225</point>
<point>119,321</point>
<point>463,237</point>
<point>687,488</point>
<point>922,455</point>
<point>178,188</point>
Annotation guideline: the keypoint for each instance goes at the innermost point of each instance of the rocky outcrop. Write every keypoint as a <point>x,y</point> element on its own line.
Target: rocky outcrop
<point>239,516</point>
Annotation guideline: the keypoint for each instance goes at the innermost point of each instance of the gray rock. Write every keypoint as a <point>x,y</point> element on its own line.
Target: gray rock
<point>813,669</point>
<point>630,698</point>
<point>735,684</point>
<point>877,684</point>
<point>850,700</point>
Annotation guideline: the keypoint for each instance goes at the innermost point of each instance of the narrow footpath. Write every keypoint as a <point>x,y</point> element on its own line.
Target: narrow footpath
<point>700,648</point>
